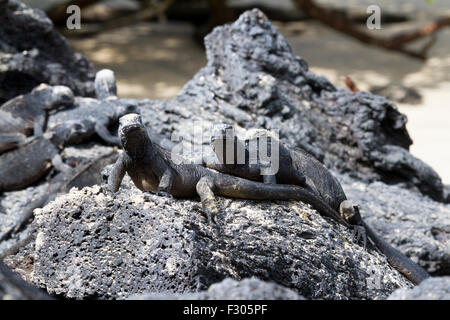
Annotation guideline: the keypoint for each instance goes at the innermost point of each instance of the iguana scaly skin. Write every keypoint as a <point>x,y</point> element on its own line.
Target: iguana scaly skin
<point>27,114</point>
<point>295,167</point>
<point>27,164</point>
<point>317,179</point>
<point>151,168</point>
<point>85,174</point>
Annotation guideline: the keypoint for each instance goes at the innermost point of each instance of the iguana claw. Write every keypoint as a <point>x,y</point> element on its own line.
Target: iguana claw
<point>163,193</point>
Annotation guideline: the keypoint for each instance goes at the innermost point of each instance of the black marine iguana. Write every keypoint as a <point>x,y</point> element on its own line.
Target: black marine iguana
<point>90,116</point>
<point>27,164</point>
<point>21,167</point>
<point>299,168</point>
<point>21,289</point>
<point>294,167</point>
<point>27,114</point>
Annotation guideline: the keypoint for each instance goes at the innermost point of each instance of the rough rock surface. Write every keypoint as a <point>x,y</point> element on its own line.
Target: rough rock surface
<point>230,289</point>
<point>253,80</point>
<point>90,244</point>
<point>416,225</point>
<point>14,202</point>
<point>431,289</point>
<point>33,52</point>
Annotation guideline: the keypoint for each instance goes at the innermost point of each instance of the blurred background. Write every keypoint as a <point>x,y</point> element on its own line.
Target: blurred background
<point>155,47</point>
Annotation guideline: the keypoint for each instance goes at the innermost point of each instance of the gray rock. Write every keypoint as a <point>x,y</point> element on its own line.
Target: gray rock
<point>230,289</point>
<point>33,52</point>
<point>13,287</point>
<point>252,79</point>
<point>430,289</point>
<point>90,244</point>
<point>414,224</point>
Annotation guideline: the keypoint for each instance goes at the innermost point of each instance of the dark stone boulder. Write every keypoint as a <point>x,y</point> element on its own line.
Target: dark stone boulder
<point>91,244</point>
<point>33,52</point>
<point>253,79</point>
<point>95,245</point>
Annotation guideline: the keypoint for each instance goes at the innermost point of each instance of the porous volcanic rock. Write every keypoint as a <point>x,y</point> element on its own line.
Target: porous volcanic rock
<point>33,52</point>
<point>94,244</point>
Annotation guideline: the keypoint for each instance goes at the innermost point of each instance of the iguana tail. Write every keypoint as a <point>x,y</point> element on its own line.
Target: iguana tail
<point>398,260</point>
<point>230,186</point>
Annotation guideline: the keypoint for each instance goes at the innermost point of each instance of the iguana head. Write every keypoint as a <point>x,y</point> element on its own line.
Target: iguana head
<point>350,212</point>
<point>53,97</point>
<point>133,135</point>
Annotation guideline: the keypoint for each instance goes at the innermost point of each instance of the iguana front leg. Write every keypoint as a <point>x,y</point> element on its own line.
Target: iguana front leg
<point>165,184</point>
<point>205,189</point>
<point>117,173</point>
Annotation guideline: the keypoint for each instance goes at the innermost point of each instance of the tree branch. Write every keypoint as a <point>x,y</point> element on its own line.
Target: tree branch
<point>146,13</point>
<point>341,23</point>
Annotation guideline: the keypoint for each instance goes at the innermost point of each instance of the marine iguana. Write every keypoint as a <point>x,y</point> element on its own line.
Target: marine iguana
<point>27,114</point>
<point>90,116</point>
<point>318,179</point>
<point>294,167</point>
<point>152,168</point>
<point>23,166</point>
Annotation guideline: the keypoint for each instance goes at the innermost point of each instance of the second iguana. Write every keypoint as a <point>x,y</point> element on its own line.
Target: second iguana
<point>300,168</point>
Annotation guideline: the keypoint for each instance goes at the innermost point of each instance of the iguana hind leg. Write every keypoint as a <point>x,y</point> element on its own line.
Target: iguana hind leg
<point>165,184</point>
<point>205,189</point>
